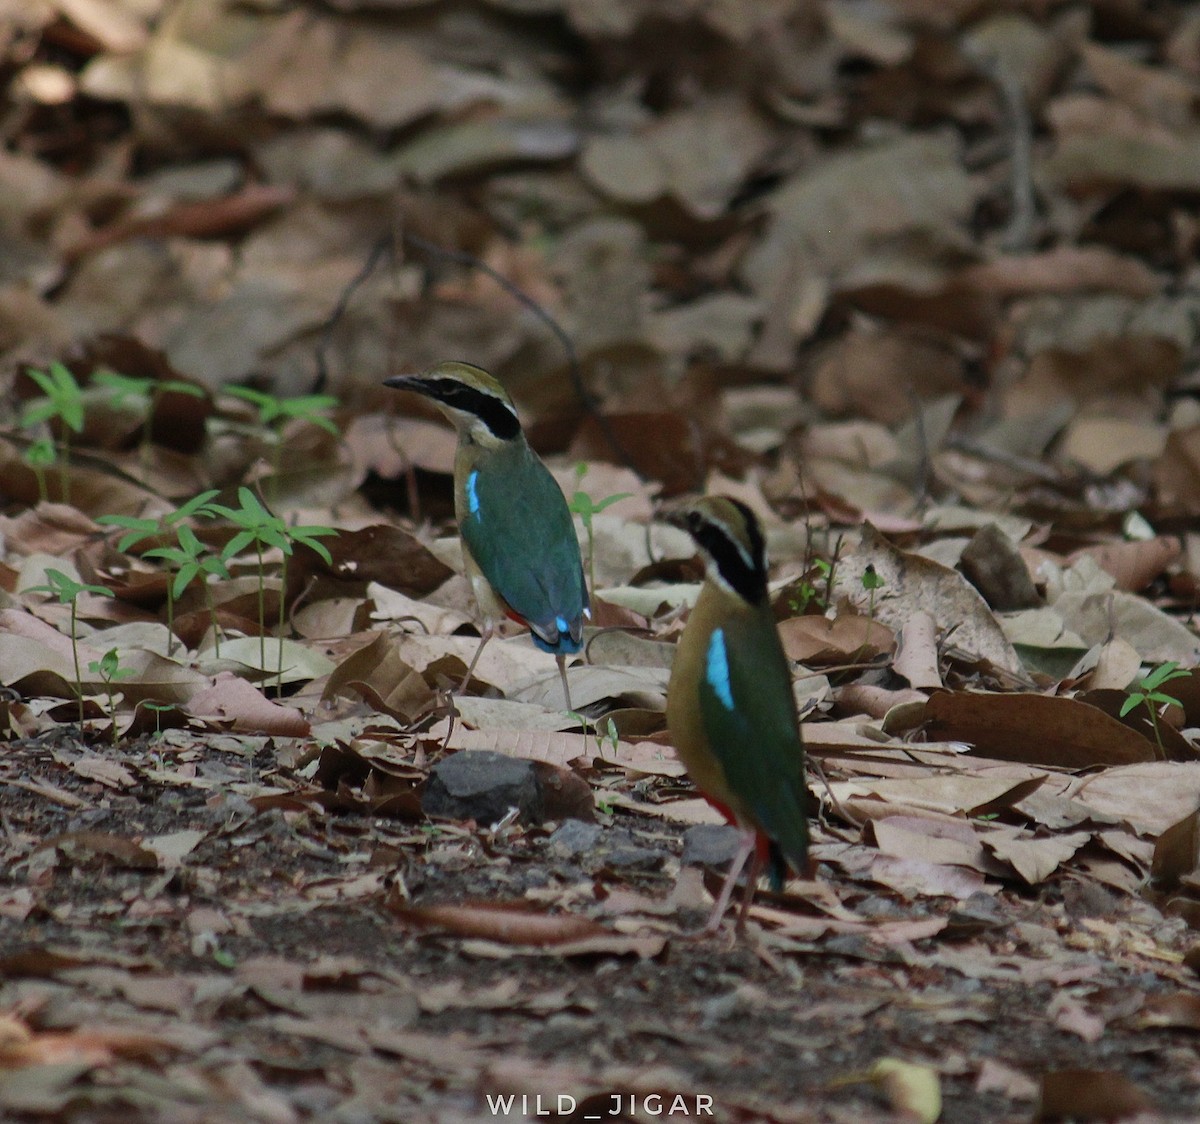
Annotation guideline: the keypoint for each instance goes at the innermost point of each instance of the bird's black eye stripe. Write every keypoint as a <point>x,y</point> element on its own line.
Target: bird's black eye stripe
<point>499,419</point>
<point>758,548</point>
<point>746,577</point>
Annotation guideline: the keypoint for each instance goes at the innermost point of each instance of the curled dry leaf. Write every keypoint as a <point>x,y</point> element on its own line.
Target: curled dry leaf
<point>815,640</point>
<point>81,847</point>
<point>234,704</point>
<point>1134,565</point>
<point>506,922</point>
<point>1177,852</point>
<point>917,651</point>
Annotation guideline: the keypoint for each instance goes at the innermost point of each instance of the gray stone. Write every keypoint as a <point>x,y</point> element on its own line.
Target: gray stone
<point>710,844</point>
<point>574,838</point>
<point>481,785</point>
<point>630,856</point>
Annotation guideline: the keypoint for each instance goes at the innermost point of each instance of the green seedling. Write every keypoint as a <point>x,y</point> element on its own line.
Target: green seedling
<point>188,558</point>
<point>871,581</point>
<point>147,392</point>
<point>262,530</point>
<point>40,456</point>
<point>62,402</point>
<point>1147,693</point>
<point>158,710</point>
<point>108,668</point>
<point>807,593</point>
<point>67,590</point>
<point>586,508</point>
<point>274,413</point>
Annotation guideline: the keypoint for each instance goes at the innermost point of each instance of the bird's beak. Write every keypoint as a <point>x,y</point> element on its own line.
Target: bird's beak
<point>405,382</point>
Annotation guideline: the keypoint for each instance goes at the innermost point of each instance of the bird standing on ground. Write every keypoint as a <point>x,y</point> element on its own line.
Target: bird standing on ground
<point>519,544</point>
<point>730,706</point>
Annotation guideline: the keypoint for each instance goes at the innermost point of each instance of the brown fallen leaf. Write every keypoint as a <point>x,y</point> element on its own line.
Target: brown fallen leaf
<point>1179,1009</point>
<point>506,922</point>
<point>1176,852</point>
<point>235,704</point>
<point>1089,1094</point>
<point>1134,565</point>
<point>1035,729</point>
<point>79,847</point>
<point>816,640</point>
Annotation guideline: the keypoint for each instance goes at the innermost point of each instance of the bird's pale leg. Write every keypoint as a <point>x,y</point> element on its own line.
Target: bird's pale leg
<point>484,637</point>
<point>562,674</point>
<point>746,846</point>
<point>756,865</point>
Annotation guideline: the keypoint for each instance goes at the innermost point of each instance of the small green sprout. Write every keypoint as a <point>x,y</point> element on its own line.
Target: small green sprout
<point>158,710</point>
<point>586,508</point>
<point>1149,695</point>
<point>62,400</point>
<point>871,581</point>
<point>275,412</point>
<point>188,557</point>
<point>148,392</point>
<point>67,590</point>
<point>108,668</point>
<point>40,456</point>
<point>263,529</point>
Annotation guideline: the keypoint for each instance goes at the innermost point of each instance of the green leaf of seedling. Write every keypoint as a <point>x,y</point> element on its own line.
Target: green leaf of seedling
<point>109,668</point>
<point>66,588</point>
<point>122,386</point>
<point>310,407</point>
<point>38,411</point>
<point>187,572</point>
<point>138,529</point>
<point>176,386</point>
<point>213,565</point>
<point>871,580</point>
<point>581,504</point>
<point>276,536</point>
<point>41,454</point>
<point>237,544</point>
<point>171,554</point>
<point>1134,700</point>
<point>254,397</point>
<point>309,535</point>
<point>608,501</point>
<point>197,504</point>
<point>1164,673</point>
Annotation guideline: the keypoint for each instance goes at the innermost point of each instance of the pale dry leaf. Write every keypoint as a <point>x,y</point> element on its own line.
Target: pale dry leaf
<point>916,657</point>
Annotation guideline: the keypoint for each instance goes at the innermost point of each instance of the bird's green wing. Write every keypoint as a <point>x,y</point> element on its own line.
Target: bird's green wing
<point>517,526</point>
<point>749,719</point>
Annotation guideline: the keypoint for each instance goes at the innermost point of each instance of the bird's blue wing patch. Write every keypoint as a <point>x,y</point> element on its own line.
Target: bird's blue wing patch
<point>473,494</point>
<point>716,668</point>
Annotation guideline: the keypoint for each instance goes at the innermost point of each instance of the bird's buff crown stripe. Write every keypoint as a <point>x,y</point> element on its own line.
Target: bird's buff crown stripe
<point>716,670</point>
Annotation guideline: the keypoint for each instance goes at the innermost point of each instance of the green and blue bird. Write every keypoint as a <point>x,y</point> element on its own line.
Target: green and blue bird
<point>519,544</point>
<point>730,706</point>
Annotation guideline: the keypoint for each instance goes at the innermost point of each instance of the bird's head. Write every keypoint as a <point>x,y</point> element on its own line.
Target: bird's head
<point>473,400</point>
<point>731,540</point>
